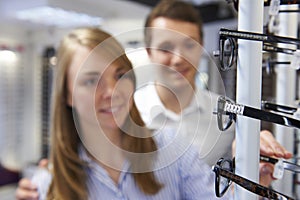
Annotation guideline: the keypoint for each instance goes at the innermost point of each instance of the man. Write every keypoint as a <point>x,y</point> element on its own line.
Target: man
<point>174,38</point>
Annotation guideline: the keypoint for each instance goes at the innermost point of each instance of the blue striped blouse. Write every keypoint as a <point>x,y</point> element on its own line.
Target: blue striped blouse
<point>186,177</point>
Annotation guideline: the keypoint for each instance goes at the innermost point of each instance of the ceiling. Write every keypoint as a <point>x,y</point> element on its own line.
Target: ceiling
<point>115,9</point>
<point>212,10</point>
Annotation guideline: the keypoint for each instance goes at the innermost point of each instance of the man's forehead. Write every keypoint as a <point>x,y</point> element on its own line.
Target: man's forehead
<point>171,36</point>
<point>176,25</point>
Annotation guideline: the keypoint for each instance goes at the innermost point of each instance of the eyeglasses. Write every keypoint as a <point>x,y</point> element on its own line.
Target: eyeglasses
<point>228,45</point>
<point>225,174</point>
<point>228,53</point>
<point>227,111</point>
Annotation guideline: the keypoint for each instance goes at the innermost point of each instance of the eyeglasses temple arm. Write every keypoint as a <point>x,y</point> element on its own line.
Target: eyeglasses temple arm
<point>252,186</point>
<point>271,48</point>
<point>270,117</point>
<point>257,36</point>
<point>279,108</point>
<point>260,114</point>
<point>268,159</point>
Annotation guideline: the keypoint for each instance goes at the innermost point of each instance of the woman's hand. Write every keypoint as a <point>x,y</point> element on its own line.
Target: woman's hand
<point>26,189</point>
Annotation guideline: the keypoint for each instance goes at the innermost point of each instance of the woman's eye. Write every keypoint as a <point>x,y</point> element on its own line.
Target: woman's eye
<point>90,82</point>
<point>166,48</point>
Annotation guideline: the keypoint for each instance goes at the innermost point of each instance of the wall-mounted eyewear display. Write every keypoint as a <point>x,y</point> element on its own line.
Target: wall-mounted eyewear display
<point>227,111</point>
<point>225,174</point>
<point>228,45</point>
<point>266,3</point>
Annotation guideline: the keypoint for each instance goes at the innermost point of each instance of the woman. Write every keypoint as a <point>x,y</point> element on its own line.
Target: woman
<point>100,147</point>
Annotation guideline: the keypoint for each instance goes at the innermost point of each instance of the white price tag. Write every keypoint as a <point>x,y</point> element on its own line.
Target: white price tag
<point>274,7</point>
<point>273,24</point>
<point>42,179</point>
<point>278,169</point>
<point>295,62</point>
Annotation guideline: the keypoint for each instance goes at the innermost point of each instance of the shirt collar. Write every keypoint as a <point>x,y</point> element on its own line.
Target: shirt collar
<point>200,99</point>
<point>83,154</point>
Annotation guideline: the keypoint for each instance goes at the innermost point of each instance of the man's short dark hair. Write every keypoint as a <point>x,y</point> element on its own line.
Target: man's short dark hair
<point>176,10</point>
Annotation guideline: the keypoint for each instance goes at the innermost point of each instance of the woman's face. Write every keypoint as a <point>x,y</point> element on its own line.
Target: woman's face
<point>100,89</point>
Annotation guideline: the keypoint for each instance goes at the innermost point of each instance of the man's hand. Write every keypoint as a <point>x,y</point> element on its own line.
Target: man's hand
<point>269,146</point>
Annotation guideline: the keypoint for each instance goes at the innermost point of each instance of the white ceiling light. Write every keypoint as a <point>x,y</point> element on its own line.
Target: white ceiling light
<point>8,57</point>
<point>58,17</point>
<point>199,2</point>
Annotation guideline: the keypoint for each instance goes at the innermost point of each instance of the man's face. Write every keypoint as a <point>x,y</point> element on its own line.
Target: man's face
<point>175,45</point>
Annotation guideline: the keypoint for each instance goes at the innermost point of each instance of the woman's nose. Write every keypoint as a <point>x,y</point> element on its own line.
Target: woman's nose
<point>106,88</point>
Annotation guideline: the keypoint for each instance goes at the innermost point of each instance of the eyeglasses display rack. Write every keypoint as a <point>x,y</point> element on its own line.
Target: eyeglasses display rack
<point>286,90</point>
<point>248,91</point>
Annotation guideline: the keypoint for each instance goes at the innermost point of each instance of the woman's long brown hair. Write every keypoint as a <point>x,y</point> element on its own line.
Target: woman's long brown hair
<point>69,178</point>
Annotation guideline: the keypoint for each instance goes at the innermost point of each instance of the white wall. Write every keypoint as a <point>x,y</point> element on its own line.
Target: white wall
<point>34,43</point>
<point>20,137</point>
<point>15,134</point>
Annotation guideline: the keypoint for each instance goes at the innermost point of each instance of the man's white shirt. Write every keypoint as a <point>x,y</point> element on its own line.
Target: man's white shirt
<point>196,123</point>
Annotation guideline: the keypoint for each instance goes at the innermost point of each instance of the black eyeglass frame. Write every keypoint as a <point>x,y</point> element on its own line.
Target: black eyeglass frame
<point>268,44</point>
<point>227,107</point>
<point>257,37</point>
<point>243,182</point>
<point>278,107</point>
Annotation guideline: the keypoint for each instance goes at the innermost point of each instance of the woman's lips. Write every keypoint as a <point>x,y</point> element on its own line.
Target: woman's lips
<point>109,110</point>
